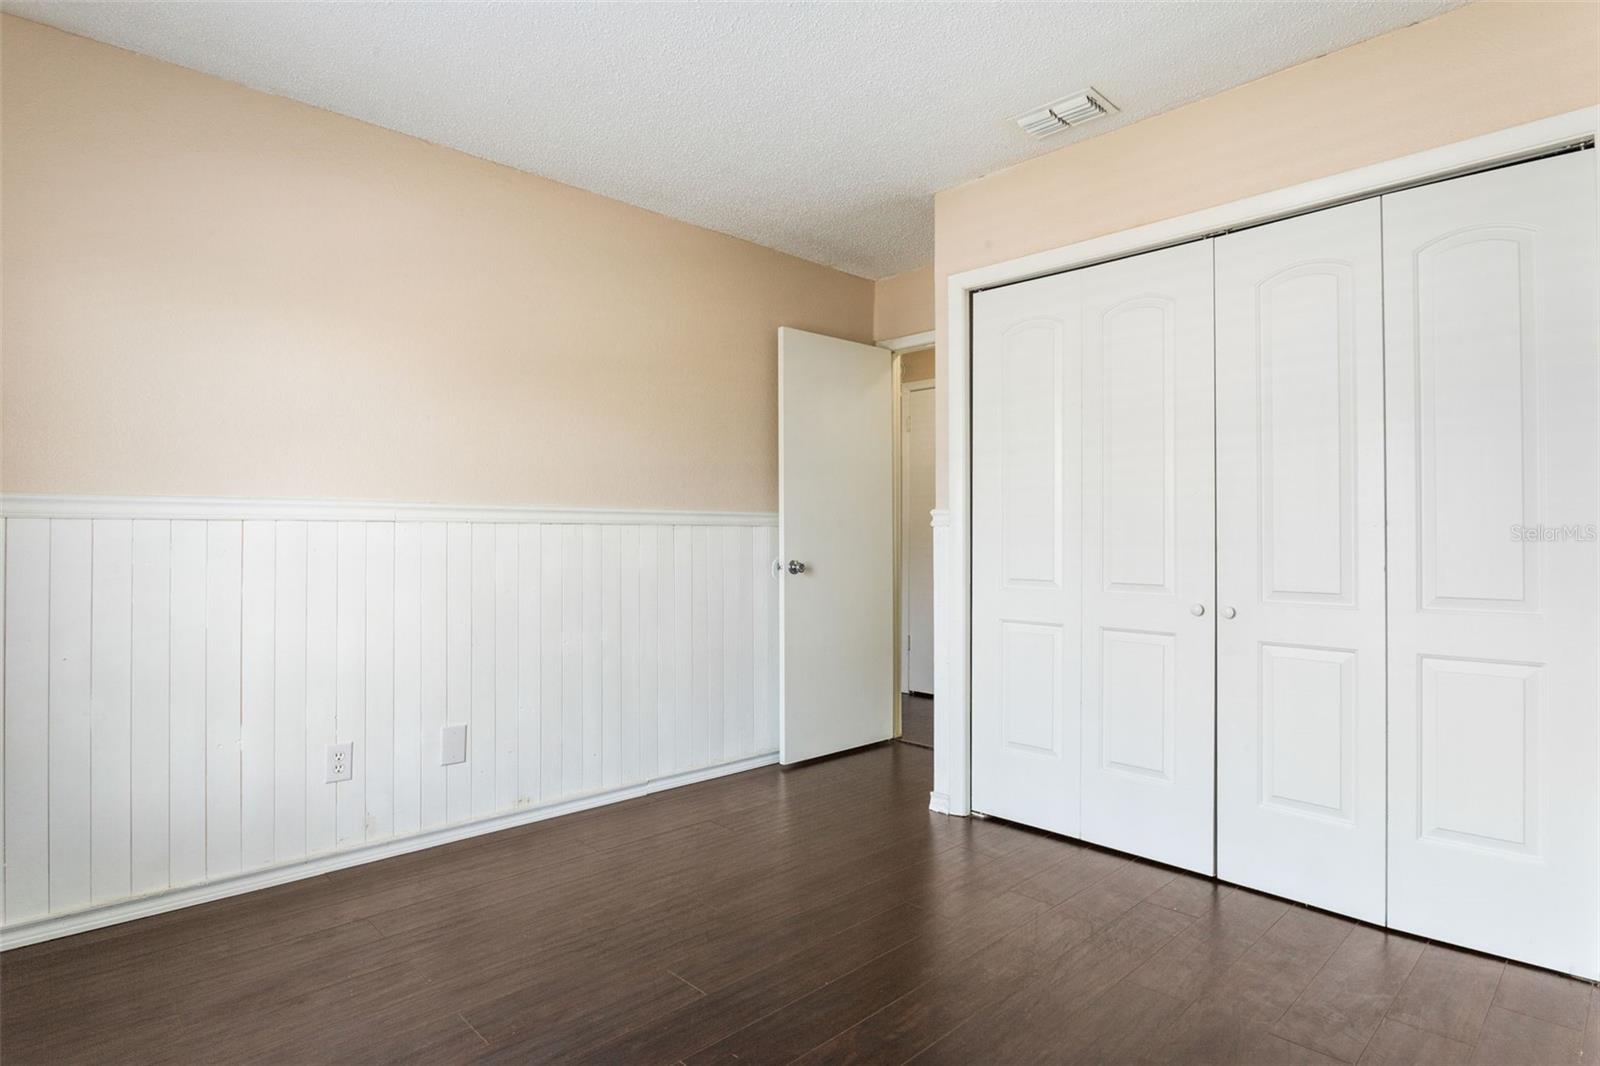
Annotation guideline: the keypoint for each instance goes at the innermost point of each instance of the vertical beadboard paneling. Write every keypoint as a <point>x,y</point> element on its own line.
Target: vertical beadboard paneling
<point>322,681</point>
<point>628,651</point>
<point>289,691</point>
<point>186,708</point>
<point>258,705</point>
<point>222,786</point>
<point>507,655</point>
<point>667,661</point>
<point>377,739</point>
<point>592,660</point>
<point>172,686</point>
<point>27,754</point>
<point>572,747</point>
<point>610,657</point>
<point>435,688</point>
<point>408,679</point>
<point>149,742</point>
<point>110,727</point>
<point>764,662</point>
<point>715,649</point>
<point>70,794</point>
<point>458,662</point>
<point>700,648</point>
<point>687,657</point>
<point>738,729</point>
<point>350,705</point>
<point>480,734</point>
<point>529,608</point>
<point>550,660</point>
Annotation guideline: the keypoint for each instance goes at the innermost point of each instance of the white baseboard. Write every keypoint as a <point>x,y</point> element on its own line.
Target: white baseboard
<point>938,803</point>
<point>59,925</point>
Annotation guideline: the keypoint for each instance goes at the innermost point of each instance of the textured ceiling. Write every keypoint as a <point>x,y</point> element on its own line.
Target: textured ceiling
<point>816,128</point>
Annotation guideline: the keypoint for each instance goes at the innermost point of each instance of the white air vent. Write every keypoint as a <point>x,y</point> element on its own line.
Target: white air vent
<point>1066,112</point>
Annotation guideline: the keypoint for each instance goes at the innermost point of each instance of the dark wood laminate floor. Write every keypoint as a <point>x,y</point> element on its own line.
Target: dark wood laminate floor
<point>818,914</point>
<point>916,719</point>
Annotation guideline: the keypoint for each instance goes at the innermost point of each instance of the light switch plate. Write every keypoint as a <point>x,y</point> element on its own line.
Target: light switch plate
<point>452,745</point>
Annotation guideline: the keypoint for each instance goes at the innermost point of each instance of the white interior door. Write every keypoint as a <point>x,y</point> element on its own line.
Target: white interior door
<point>1490,289</point>
<point>1300,633</point>
<point>1025,558</point>
<point>1149,561</point>
<point>916,535</point>
<point>836,519</point>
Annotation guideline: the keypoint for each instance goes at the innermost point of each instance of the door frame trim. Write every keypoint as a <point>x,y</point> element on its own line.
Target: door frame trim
<point>952,784</point>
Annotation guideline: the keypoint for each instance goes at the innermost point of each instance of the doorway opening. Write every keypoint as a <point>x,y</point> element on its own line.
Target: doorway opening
<point>915,408</point>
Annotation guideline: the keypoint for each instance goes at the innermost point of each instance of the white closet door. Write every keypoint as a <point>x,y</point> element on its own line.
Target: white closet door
<point>1149,562</point>
<point>1025,554</point>
<point>1300,638</point>
<point>1490,291</point>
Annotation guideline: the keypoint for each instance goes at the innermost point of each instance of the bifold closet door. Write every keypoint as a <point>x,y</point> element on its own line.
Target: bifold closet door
<point>1300,638</point>
<point>1148,561</point>
<point>1493,470</point>
<point>1025,570</point>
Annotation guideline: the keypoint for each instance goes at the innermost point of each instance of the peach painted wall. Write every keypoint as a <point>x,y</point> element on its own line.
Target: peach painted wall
<point>213,291</point>
<point>903,304</point>
<point>916,366</point>
<point>1471,71</point>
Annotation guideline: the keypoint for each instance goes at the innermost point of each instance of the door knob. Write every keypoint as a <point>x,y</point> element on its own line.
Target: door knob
<point>796,566</point>
<point>1198,610</point>
<point>1229,612</point>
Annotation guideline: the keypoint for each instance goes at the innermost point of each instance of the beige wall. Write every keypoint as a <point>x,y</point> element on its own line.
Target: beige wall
<point>1472,71</point>
<point>903,304</point>
<point>917,366</point>
<point>213,291</point>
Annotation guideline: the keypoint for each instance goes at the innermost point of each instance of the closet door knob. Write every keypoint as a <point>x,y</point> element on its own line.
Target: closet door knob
<point>1229,612</point>
<point>1198,610</point>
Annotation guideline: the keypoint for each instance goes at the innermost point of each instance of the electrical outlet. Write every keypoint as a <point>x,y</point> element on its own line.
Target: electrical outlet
<point>452,745</point>
<point>340,756</point>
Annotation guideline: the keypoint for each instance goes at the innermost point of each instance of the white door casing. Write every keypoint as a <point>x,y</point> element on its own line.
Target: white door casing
<point>1490,285</point>
<point>1025,574</point>
<point>835,516</point>
<point>1149,556</point>
<point>1300,582</point>
<point>916,532</point>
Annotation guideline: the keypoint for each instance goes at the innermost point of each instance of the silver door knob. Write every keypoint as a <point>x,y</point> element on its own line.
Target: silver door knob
<point>796,566</point>
<point>1229,612</point>
<point>1198,609</point>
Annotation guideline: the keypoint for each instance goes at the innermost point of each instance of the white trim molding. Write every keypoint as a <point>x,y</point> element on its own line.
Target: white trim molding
<point>214,508</point>
<point>910,342</point>
<point>82,921</point>
<point>952,576</point>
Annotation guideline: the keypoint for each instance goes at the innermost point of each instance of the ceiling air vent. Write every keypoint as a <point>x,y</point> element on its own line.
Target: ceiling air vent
<point>1064,113</point>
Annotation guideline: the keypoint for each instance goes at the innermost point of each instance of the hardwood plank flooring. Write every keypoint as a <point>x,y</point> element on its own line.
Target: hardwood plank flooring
<point>916,719</point>
<point>817,914</point>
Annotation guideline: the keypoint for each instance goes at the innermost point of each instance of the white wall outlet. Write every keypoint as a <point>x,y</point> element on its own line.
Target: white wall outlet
<point>340,756</point>
<point>452,745</point>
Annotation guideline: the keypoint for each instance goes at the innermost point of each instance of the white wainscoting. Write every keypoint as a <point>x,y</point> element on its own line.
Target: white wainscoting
<point>172,683</point>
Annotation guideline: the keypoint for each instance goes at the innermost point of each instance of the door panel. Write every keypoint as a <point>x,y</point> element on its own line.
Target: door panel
<point>1300,666</point>
<point>916,490</point>
<point>1025,642</point>
<point>1493,463</point>
<point>836,516</point>
<point>1148,555</point>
